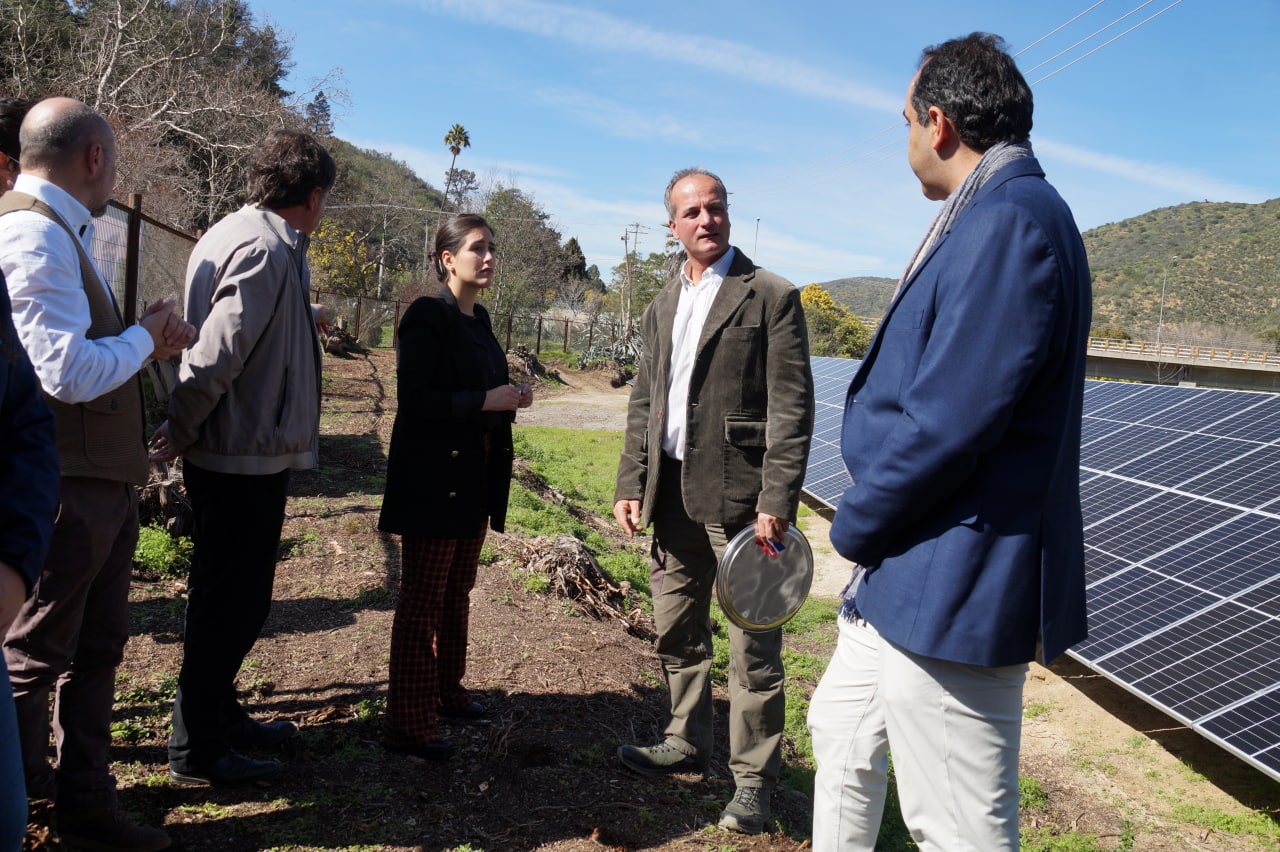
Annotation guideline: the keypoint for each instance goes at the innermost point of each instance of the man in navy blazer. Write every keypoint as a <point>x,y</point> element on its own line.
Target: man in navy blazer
<point>962,437</point>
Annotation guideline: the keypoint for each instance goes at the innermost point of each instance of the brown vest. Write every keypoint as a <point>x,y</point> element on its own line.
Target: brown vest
<point>104,437</point>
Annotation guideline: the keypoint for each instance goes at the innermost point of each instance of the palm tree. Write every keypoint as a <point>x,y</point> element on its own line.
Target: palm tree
<point>456,139</point>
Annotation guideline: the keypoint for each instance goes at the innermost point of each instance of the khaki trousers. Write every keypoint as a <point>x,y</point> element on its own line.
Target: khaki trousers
<point>683,571</point>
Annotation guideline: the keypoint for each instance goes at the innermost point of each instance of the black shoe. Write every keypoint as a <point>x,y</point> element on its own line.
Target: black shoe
<point>434,750</point>
<point>660,759</point>
<point>250,733</point>
<point>468,712</point>
<point>108,830</point>
<point>229,770</point>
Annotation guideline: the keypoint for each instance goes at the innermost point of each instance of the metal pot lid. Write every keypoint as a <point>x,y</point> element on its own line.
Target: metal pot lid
<point>758,591</point>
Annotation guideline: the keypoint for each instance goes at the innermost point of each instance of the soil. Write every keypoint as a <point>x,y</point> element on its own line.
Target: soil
<point>562,689</point>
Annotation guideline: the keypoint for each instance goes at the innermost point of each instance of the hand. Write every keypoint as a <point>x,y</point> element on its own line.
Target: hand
<point>162,450</point>
<point>169,332</point>
<point>771,528</point>
<point>627,514</point>
<point>13,591</point>
<point>321,315</point>
<point>502,398</point>
<point>526,395</point>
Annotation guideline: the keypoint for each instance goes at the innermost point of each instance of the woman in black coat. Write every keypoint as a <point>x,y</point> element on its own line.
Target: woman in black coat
<point>448,475</point>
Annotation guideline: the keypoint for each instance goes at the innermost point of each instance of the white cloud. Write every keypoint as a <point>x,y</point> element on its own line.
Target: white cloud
<point>619,120</point>
<point>1182,182</point>
<point>606,33</point>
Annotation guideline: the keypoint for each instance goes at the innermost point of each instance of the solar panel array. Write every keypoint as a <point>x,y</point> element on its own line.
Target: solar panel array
<point>1180,489</point>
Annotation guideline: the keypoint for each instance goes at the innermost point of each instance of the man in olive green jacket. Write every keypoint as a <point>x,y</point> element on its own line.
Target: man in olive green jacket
<point>718,432</point>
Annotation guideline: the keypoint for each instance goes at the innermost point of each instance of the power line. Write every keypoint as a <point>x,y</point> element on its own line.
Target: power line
<point>1104,44</point>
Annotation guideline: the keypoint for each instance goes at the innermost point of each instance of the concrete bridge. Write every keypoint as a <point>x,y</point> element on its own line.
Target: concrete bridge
<point>1181,363</point>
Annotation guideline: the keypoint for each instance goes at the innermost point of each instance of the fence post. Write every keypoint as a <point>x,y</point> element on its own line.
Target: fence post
<point>537,347</point>
<point>359,306</point>
<point>508,349</point>
<point>395,329</point>
<point>591,333</point>
<point>132,257</point>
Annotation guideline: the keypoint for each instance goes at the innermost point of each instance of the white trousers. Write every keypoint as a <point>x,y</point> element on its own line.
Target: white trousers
<point>954,730</point>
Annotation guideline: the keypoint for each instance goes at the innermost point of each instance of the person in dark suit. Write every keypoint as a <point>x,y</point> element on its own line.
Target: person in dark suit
<point>448,475</point>
<point>962,437</point>
<point>717,438</point>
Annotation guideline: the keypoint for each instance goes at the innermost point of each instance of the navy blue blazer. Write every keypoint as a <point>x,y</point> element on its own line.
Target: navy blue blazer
<point>962,436</point>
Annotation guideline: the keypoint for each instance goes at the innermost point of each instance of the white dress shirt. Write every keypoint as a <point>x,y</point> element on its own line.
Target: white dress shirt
<point>691,314</point>
<point>50,309</point>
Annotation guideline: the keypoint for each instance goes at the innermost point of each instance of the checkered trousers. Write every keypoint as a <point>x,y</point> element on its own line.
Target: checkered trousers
<point>429,636</point>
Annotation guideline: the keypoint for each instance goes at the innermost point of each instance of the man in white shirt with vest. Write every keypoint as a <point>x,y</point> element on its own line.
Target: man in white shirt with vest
<point>69,636</point>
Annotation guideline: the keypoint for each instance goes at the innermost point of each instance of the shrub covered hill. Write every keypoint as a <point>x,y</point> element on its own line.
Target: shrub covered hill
<point>1217,263</point>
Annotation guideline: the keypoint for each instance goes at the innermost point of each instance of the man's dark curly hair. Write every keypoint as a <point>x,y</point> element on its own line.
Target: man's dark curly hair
<point>976,84</point>
<point>286,167</point>
<point>12,111</point>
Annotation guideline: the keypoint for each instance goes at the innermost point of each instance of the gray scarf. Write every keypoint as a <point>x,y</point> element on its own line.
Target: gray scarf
<point>993,160</point>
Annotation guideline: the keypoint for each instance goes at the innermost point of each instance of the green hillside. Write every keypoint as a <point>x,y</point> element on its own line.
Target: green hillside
<point>866,296</point>
<point>1217,263</point>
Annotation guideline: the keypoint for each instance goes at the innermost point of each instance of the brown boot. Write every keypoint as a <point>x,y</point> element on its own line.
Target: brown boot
<point>108,830</point>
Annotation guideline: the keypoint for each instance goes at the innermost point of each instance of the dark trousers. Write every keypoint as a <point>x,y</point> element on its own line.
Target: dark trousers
<point>429,636</point>
<point>69,638</point>
<point>236,533</point>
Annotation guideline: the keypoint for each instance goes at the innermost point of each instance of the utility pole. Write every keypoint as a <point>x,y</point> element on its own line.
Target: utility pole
<point>630,243</point>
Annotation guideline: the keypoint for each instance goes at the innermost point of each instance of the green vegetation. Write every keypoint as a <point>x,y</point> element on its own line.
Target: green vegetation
<point>1031,796</point>
<point>1252,824</point>
<point>834,331</point>
<point>159,554</point>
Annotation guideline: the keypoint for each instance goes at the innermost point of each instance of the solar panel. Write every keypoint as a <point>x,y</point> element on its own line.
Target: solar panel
<point>1180,489</point>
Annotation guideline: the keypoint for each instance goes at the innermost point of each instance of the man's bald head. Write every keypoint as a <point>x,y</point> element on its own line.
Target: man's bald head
<point>69,144</point>
<point>56,130</point>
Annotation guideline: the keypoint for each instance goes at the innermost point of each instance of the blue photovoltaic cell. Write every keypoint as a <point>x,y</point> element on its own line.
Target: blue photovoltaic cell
<point>1180,491</point>
<point>1237,556</point>
<point>1252,729</point>
<point>1104,496</point>
<point>1188,457</point>
<point>1134,604</point>
<point>1251,480</point>
<point>1125,445</point>
<point>1196,413</point>
<point>1150,401</point>
<point>1146,530</point>
<point>1258,423</point>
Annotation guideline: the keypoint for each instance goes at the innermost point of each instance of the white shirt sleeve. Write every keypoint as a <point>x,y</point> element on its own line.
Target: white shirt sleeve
<point>51,313</point>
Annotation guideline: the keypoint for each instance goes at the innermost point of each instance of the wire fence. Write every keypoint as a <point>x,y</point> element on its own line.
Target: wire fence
<point>142,259</point>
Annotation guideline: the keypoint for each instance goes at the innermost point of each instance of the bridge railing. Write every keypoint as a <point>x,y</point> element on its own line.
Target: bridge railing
<point>1185,352</point>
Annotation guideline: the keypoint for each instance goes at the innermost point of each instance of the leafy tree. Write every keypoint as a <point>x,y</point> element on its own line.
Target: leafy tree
<point>341,261</point>
<point>1111,332</point>
<point>318,115</point>
<point>833,329</point>
<point>387,208</point>
<point>188,85</point>
<point>529,255</point>
<point>455,140</point>
<point>637,280</point>
<point>464,183</point>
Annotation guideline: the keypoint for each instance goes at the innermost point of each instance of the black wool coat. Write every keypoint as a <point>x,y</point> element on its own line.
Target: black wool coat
<point>440,481</point>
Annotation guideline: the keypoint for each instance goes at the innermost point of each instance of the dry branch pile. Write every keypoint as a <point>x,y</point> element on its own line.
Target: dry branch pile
<point>575,574</point>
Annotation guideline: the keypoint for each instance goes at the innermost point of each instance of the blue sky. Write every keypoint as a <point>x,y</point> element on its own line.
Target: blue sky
<point>796,105</point>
